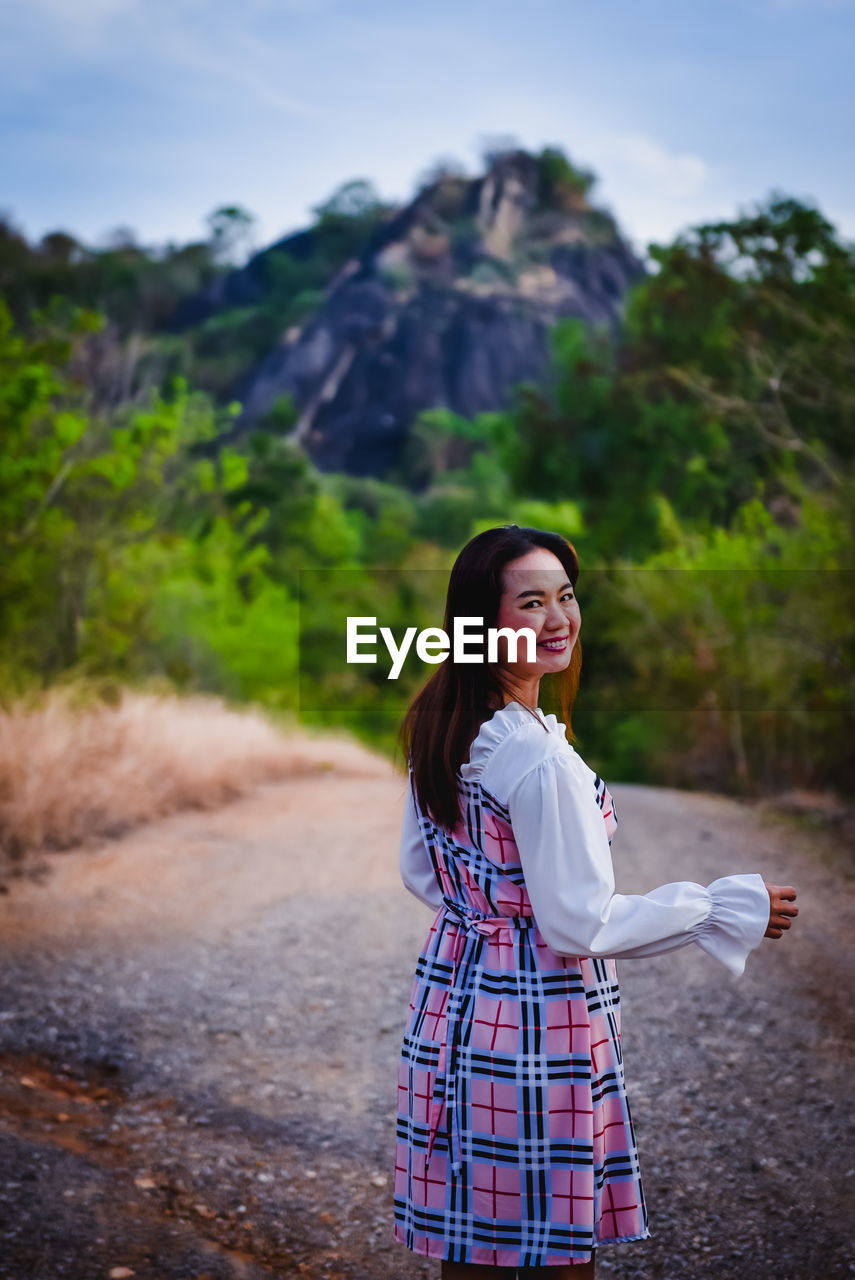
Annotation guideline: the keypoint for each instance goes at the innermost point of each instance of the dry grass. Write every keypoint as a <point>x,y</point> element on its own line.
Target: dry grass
<point>70,772</point>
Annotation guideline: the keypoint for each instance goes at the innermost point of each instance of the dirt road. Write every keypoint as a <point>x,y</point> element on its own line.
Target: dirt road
<point>200,1023</point>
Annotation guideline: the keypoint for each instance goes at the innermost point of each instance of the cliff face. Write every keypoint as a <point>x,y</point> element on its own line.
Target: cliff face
<point>449,305</point>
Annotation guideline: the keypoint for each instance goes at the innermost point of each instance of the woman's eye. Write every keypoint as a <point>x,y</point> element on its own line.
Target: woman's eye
<point>568,595</point>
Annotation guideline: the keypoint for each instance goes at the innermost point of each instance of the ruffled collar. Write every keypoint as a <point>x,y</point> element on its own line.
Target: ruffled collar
<point>501,725</point>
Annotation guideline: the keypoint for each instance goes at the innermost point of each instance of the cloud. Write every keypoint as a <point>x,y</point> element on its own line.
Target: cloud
<point>241,69</point>
<point>654,189</point>
<point>677,175</point>
<point>80,23</point>
<point>196,49</point>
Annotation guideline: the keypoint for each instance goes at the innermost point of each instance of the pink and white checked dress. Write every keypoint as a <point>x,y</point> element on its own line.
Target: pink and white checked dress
<point>515,1144</point>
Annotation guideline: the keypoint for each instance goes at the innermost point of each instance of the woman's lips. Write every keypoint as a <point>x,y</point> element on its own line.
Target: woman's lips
<point>556,645</point>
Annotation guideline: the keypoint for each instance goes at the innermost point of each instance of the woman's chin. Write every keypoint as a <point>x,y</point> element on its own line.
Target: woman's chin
<point>556,661</point>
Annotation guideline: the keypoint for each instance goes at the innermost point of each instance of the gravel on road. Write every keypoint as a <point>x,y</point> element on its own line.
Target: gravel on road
<point>200,1025</point>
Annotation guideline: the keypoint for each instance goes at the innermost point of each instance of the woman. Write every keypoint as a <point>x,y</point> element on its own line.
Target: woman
<point>516,1153</point>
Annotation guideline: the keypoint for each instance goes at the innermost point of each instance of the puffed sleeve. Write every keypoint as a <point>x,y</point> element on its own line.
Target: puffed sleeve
<point>417,870</point>
<point>567,865</point>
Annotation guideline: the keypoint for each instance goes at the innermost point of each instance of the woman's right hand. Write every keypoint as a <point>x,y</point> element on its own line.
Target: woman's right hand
<point>782,910</point>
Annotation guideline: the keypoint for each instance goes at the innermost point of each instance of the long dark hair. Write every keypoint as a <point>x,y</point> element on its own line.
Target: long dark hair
<point>446,714</point>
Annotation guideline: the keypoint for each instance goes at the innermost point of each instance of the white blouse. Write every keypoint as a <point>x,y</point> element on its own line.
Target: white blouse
<point>566,860</point>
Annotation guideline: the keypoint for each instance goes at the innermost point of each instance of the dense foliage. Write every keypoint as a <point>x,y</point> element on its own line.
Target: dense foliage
<point>702,465</point>
<point>188,310</point>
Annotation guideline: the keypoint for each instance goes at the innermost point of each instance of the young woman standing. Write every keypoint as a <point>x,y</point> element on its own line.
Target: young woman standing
<point>515,1148</point>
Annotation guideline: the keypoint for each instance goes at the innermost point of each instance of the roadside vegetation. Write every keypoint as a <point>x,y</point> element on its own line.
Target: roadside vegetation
<point>702,465</point>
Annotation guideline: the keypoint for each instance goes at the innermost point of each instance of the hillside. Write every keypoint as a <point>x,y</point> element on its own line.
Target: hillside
<point>351,326</point>
<point>449,305</point>
<point>148,534</point>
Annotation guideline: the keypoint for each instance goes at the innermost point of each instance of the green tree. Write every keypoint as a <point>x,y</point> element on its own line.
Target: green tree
<point>560,184</point>
<point>732,653</point>
<point>230,228</point>
<point>96,509</point>
<point>357,199</point>
<point>747,331</point>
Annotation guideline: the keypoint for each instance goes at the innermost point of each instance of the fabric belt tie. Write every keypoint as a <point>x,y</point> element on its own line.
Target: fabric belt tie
<point>473,929</point>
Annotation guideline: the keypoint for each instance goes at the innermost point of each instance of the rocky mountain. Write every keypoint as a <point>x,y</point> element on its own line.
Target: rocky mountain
<point>449,304</point>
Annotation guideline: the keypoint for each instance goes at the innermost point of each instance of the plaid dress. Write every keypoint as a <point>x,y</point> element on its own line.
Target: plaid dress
<point>515,1144</point>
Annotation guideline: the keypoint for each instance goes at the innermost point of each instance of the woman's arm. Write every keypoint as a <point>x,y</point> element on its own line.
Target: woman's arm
<point>567,865</point>
<point>417,870</point>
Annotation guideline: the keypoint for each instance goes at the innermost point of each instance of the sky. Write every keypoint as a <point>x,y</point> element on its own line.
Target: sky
<point>149,114</point>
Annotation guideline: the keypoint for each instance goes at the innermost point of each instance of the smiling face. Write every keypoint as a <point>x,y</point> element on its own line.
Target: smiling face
<point>537,593</point>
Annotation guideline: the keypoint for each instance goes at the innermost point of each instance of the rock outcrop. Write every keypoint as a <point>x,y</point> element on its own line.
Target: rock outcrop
<point>449,305</point>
